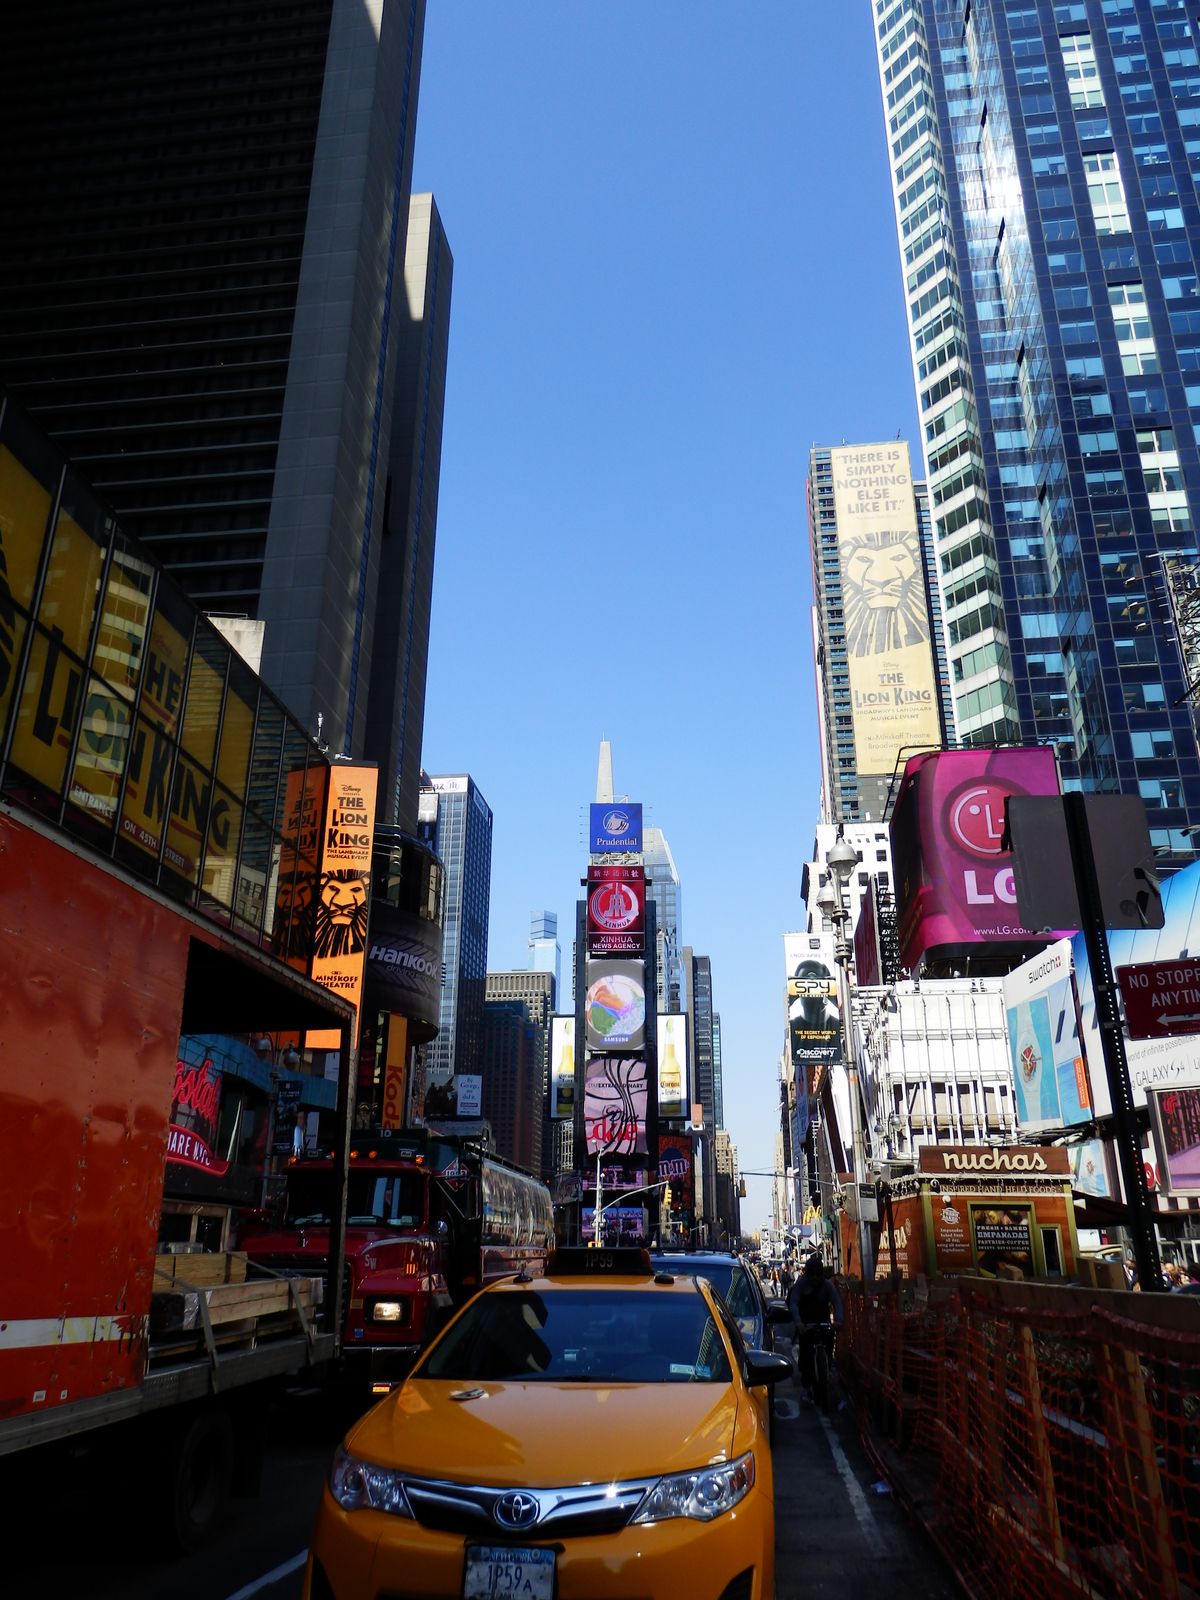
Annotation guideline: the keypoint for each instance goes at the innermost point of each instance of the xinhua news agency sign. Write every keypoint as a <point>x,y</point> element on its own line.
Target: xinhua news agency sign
<point>615,827</point>
<point>1162,998</point>
<point>616,910</point>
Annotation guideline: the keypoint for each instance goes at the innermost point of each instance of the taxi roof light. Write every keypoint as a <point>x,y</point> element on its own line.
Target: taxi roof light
<point>622,1261</point>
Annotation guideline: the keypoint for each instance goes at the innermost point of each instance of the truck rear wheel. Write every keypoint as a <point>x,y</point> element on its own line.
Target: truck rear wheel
<point>198,1472</point>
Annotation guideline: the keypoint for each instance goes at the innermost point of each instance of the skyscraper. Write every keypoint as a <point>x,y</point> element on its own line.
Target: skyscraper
<point>544,952</point>
<point>877,632</point>
<point>662,889</point>
<point>396,707</point>
<point>698,1003</point>
<point>718,1082</point>
<point>203,300</point>
<point>1042,159</point>
<point>456,821</point>
<point>533,994</point>
<point>512,1061</point>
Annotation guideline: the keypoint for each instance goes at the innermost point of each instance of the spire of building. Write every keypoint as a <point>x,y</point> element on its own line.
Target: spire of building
<point>604,777</point>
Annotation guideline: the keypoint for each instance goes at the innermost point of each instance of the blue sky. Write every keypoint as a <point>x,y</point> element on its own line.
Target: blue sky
<point>675,269</point>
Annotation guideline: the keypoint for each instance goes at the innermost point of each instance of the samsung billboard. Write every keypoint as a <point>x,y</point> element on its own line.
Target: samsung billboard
<point>615,1005</point>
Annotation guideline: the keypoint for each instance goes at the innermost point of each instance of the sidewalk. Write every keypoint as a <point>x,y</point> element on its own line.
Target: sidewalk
<point>833,1535</point>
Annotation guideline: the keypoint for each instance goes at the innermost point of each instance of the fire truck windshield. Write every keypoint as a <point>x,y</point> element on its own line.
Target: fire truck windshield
<point>392,1199</point>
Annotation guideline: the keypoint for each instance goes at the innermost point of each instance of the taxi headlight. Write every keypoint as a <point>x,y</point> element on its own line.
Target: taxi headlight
<point>362,1486</point>
<point>387,1311</point>
<point>706,1493</point>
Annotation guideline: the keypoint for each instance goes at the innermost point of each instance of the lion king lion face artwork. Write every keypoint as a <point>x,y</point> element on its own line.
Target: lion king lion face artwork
<point>341,914</point>
<point>883,592</point>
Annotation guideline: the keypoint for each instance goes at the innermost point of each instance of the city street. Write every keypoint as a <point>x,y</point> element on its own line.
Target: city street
<point>832,1529</point>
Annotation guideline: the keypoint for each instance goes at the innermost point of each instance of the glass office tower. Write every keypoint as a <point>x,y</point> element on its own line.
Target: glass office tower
<point>456,821</point>
<point>663,889</point>
<point>1042,156</point>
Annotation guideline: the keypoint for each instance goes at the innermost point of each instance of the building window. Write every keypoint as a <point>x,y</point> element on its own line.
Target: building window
<point>1083,76</point>
<point>1106,192</point>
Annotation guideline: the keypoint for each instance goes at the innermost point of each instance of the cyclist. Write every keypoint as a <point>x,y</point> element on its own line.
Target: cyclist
<point>812,1299</point>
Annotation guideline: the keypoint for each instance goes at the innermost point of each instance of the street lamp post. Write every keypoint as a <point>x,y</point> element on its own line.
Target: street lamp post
<point>625,1194</point>
<point>841,859</point>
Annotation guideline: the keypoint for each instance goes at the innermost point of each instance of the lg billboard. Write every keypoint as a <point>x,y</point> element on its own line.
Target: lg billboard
<point>954,879</point>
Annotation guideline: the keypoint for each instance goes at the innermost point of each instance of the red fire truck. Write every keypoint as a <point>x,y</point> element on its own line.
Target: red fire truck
<point>430,1219</point>
<point>157,812</point>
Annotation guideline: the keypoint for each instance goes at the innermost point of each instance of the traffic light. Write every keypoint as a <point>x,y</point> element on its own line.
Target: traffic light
<point>666,1198</point>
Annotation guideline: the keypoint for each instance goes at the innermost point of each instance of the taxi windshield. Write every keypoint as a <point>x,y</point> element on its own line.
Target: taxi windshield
<point>582,1335</point>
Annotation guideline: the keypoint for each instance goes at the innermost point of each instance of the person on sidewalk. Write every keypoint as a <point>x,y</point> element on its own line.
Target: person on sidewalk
<point>812,1300</point>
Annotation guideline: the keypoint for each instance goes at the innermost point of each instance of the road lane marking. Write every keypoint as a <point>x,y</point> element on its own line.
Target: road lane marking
<point>276,1575</point>
<point>872,1536</point>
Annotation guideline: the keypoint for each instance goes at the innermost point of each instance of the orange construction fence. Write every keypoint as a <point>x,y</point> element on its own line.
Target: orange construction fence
<point>1047,1436</point>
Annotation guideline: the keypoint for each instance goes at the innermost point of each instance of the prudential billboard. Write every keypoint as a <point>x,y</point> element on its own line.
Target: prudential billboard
<point>616,828</point>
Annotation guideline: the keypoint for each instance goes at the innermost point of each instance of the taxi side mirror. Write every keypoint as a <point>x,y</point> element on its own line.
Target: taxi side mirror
<point>763,1370</point>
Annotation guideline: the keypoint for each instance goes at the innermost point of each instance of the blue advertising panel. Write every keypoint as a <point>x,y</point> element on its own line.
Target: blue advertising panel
<point>1050,1079</point>
<point>615,826</point>
<point>1170,1062</point>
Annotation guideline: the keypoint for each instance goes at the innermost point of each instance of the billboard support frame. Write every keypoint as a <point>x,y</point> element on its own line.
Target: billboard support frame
<point>1116,1064</point>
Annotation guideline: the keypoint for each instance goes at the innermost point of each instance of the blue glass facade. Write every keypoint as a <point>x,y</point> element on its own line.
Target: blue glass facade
<point>1054,297</point>
<point>456,821</point>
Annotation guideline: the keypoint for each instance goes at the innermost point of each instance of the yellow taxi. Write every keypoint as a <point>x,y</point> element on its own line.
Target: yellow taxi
<point>589,1435</point>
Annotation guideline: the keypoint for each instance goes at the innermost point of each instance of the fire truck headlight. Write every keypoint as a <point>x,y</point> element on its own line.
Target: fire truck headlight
<point>387,1311</point>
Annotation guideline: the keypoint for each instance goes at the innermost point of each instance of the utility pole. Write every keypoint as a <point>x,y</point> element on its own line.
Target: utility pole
<point>1128,1140</point>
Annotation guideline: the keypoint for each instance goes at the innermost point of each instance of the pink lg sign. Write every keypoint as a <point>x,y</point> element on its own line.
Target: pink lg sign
<point>954,880</point>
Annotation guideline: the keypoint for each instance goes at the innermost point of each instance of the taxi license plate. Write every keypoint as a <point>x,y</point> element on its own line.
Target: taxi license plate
<point>496,1571</point>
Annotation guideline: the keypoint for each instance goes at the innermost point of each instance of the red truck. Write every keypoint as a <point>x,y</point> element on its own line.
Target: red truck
<point>430,1219</point>
<point>157,866</point>
<point>118,1344</point>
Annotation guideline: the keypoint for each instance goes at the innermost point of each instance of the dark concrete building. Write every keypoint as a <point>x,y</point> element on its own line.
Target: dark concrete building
<point>535,993</point>
<point>205,300</point>
<point>512,1067</point>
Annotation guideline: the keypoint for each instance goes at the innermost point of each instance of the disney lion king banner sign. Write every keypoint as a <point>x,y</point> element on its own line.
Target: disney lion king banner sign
<point>892,677</point>
<point>344,891</point>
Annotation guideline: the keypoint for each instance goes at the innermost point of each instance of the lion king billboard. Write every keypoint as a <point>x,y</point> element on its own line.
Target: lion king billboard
<point>893,683</point>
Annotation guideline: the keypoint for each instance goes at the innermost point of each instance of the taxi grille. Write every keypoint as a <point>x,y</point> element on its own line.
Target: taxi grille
<point>575,1512</point>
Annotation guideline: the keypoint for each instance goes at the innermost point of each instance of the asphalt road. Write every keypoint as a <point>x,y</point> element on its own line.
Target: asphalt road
<point>833,1529</point>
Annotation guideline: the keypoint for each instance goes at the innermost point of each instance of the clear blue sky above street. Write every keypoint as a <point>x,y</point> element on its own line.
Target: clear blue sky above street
<point>675,269</point>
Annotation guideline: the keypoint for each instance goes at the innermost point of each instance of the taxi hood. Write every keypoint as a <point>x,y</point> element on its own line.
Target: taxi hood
<point>545,1434</point>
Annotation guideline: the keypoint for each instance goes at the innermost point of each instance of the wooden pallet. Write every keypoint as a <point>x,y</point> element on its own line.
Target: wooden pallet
<point>178,1310</point>
<point>199,1270</point>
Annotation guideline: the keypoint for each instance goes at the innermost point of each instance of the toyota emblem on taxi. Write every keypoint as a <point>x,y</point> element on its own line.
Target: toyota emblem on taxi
<point>516,1510</point>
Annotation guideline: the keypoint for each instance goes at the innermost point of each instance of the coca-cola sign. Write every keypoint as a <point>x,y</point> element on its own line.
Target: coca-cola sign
<point>195,1113</point>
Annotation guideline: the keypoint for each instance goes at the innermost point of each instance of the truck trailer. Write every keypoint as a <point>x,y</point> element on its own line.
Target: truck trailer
<point>159,818</point>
